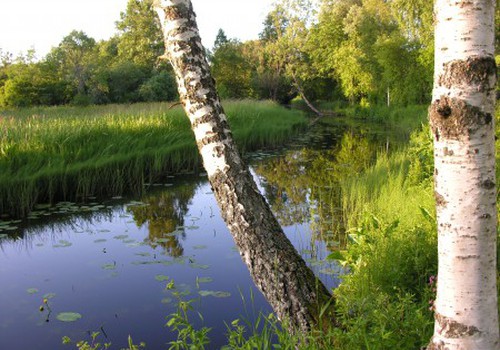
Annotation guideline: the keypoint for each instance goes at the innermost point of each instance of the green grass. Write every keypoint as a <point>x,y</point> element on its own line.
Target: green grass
<point>70,153</point>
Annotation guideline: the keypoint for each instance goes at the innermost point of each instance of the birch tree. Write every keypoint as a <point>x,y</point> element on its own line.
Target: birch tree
<point>462,121</point>
<point>291,288</point>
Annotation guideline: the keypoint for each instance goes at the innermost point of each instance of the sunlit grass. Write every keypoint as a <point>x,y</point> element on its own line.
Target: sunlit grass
<point>75,152</point>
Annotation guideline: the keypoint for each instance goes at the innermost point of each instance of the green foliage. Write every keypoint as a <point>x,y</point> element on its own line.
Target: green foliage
<point>375,55</point>
<point>141,39</point>
<point>160,87</point>
<point>49,153</point>
<point>384,301</point>
<point>95,345</point>
<point>231,70</point>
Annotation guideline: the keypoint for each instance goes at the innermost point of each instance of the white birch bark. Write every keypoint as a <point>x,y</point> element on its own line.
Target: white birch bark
<point>291,288</point>
<point>462,121</point>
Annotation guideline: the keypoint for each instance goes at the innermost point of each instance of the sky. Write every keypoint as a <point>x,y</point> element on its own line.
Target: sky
<point>42,24</point>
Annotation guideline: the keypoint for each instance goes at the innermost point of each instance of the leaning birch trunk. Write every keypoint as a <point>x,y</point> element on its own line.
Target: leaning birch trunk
<point>462,121</point>
<point>291,288</point>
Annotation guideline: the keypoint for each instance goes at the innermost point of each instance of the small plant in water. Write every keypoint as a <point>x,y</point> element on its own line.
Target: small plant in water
<point>95,345</point>
<point>187,336</point>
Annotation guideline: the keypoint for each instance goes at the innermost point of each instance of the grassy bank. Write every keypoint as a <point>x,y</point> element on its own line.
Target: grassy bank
<point>70,153</point>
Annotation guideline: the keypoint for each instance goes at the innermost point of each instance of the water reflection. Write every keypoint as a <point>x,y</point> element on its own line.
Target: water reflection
<point>164,215</point>
<point>305,185</point>
<point>113,260</point>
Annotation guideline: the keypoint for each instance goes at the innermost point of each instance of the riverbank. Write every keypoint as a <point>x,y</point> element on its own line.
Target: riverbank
<point>72,153</point>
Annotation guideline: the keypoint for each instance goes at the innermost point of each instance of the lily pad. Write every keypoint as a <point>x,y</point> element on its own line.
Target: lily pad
<point>69,316</point>
<point>110,266</point>
<point>161,278</point>
<point>329,271</point>
<point>121,237</point>
<point>32,290</point>
<point>143,254</point>
<point>216,294</point>
<point>162,240</point>
<point>199,266</point>
<point>204,279</point>
<point>49,295</point>
<point>100,240</point>
<point>63,244</point>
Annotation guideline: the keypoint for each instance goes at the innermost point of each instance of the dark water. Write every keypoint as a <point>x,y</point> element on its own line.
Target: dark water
<point>111,261</point>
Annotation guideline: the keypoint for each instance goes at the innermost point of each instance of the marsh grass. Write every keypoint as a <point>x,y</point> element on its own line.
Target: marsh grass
<point>71,153</point>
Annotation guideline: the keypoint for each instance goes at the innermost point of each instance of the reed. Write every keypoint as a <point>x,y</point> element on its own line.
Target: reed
<point>71,153</point>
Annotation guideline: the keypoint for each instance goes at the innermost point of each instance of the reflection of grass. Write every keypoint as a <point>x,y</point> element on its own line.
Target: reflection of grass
<point>75,152</point>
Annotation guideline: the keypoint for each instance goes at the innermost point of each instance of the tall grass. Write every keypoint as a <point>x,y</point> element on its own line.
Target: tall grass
<point>72,153</point>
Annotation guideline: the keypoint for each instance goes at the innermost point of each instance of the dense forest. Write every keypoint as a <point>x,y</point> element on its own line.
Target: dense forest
<point>362,51</point>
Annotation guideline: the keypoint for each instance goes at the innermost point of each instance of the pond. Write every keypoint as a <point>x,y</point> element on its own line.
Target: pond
<point>120,266</point>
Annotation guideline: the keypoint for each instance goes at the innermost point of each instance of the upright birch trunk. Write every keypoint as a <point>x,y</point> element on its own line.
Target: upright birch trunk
<point>277,269</point>
<point>462,121</point>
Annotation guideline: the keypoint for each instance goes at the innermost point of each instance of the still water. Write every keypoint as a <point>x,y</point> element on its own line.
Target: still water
<point>111,263</point>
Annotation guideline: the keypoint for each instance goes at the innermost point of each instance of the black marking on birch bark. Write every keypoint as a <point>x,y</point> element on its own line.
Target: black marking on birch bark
<point>440,201</point>
<point>202,120</point>
<point>488,184</point>
<point>453,118</point>
<point>475,71</point>
<point>466,257</point>
<point>453,329</point>
<point>219,137</point>
<point>448,152</point>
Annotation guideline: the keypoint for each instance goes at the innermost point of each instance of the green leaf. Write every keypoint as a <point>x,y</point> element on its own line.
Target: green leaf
<point>431,219</point>
<point>32,290</point>
<point>49,295</point>
<point>110,266</point>
<point>216,294</point>
<point>204,279</point>
<point>336,255</point>
<point>161,278</point>
<point>68,316</point>
<point>63,244</point>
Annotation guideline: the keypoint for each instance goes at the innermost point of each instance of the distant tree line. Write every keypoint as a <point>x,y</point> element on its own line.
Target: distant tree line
<point>361,51</point>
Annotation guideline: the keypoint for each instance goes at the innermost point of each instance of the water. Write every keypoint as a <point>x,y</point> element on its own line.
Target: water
<point>112,262</point>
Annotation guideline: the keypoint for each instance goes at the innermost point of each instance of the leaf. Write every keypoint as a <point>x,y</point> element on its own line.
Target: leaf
<point>110,266</point>
<point>204,279</point>
<point>68,316</point>
<point>161,278</point>
<point>336,255</point>
<point>49,295</point>
<point>375,222</point>
<point>431,219</point>
<point>199,266</point>
<point>63,244</point>
<point>329,271</point>
<point>216,294</point>
<point>32,290</point>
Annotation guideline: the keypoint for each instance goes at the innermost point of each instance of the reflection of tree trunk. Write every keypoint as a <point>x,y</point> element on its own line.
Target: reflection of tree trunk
<point>276,267</point>
<point>304,97</point>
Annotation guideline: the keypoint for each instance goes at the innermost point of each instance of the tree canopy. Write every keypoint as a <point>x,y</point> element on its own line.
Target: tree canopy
<point>362,51</point>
